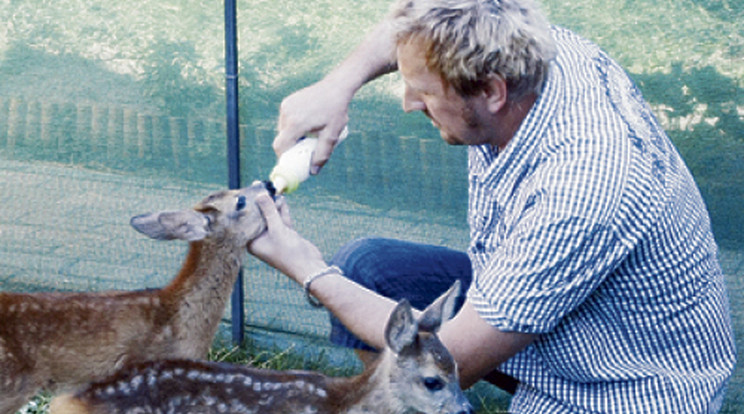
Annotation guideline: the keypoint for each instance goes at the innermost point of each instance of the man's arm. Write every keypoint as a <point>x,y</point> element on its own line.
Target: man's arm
<point>322,108</point>
<point>477,347</point>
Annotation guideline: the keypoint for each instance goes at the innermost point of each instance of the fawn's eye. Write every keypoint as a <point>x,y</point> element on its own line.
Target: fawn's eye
<point>433,383</point>
<point>241,203</point>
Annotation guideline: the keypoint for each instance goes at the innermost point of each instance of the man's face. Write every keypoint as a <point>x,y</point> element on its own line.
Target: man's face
<point>459,119</point>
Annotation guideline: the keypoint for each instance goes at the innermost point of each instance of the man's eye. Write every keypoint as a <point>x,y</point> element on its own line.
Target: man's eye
<point>241,203</point>
<point>433,383</point>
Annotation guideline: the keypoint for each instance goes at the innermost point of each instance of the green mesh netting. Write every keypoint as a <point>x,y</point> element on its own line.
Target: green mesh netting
<point>108,110</point>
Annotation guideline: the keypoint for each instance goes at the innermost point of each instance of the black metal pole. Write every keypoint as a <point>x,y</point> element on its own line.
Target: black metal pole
<point>233,148</point>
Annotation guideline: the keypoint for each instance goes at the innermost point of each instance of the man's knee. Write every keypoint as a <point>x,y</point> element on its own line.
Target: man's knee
<point>359,258</point>
<point>349,253</point>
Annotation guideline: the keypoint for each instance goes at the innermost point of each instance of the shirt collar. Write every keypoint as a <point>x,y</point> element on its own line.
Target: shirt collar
<point>485,158</point>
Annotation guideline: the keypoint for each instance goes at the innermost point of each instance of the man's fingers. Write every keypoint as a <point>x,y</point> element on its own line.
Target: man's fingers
<point>285,139</point>
<point>268,210</point>
<point>283,207</point>
<point>320,156</point>
<point>328,138</point>
<point>296,119</point>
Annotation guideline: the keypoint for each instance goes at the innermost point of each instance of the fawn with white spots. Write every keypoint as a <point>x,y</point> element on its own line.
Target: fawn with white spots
<point>414,373</point>
<point>61,341</point>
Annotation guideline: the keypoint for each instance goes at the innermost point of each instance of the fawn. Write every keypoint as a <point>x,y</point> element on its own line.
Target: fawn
<point>60,341</point>
<point>414,373</point>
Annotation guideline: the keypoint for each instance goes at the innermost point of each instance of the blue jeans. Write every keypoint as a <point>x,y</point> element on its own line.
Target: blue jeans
<point>399,269</point>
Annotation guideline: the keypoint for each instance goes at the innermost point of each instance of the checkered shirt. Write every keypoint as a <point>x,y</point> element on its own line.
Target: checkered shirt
<point>589,230</point>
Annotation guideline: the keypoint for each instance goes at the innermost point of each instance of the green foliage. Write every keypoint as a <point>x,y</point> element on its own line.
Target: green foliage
<point>167,66</point>
<point>687,56</point>
<point>166,58</point>
<point>732,10</point>
<point>39,74</point>
<point>703,107</point>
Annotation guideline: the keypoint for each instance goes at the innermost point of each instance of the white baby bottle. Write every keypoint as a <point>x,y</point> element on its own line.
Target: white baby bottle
<point>293,167</point>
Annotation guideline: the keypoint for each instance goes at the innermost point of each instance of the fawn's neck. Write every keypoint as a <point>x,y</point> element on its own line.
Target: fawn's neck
<point>370,392</point>
<point>201,289</point>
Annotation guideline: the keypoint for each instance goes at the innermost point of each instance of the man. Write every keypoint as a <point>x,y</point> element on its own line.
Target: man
<point>595,278</point>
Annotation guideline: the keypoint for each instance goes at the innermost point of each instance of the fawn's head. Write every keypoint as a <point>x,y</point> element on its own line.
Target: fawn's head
<point>229,214</point>
<point>424,374</point>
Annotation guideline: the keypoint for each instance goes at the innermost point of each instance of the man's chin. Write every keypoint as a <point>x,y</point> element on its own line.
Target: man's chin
<point>449,139</point>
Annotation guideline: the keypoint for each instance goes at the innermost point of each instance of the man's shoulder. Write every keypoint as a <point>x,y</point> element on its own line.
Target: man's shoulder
<point>563,35</point>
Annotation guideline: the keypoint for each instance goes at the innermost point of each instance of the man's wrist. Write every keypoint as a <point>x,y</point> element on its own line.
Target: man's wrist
<point>315,276</point>
<point>307,269</point>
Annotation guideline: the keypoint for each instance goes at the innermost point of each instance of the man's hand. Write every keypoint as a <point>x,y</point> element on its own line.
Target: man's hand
<point>280,246</point>
<point>321,109</point>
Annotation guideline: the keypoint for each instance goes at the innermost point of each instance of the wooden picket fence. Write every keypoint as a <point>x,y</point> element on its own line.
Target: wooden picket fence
<point>375,168</point>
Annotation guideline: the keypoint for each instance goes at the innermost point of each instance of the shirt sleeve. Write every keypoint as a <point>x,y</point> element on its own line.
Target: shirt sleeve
<point>556,245</point>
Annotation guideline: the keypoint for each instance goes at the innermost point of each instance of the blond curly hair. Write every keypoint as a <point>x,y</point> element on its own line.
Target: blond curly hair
<point>467,41</point>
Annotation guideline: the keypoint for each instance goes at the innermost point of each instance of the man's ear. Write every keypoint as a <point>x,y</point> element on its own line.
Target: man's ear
<point>495,93</point>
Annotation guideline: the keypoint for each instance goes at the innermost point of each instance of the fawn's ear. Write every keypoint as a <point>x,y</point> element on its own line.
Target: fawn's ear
<point>186,225</point>
<point>401,329</point>
<point>440,310</point>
